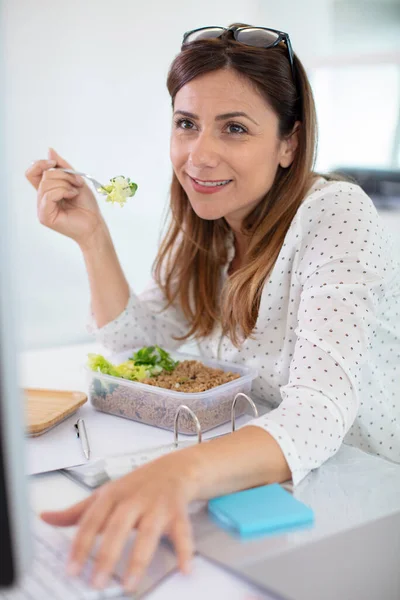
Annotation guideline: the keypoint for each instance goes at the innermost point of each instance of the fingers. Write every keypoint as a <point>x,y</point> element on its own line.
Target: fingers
<point>115,536</point>
<point>67,517</point>
<point>181,536</point>
<point>56,174</point>
<point>52,154</point>
<point>54,187</point>
<point>49,207</point>
<point>90,524</point>
<point>35,172</point>
<point>149,533</point>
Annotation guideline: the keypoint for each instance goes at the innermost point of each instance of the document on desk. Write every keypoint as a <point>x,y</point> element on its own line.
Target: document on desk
<point>207,580</point>
<point>60,448</point>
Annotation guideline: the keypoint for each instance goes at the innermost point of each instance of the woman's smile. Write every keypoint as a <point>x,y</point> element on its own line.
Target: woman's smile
<point>209,186</point>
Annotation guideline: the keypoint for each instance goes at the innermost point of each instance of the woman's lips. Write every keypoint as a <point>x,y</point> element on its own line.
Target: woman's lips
<point>209,189</point>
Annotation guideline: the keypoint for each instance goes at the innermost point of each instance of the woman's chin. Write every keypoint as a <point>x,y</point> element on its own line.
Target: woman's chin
<point>208,213</point>
<point>207,209</point>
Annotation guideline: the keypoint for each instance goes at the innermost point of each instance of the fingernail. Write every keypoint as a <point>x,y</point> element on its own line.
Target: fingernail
<point>100,580</point>
<point>131,583</point>
<point>73,568</point>
<point>187,569</point>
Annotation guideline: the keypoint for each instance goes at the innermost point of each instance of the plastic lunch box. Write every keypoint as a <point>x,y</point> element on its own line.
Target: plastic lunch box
<point>157,406</point>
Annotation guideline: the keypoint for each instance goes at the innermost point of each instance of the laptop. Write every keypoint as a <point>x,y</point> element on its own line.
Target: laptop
<point>360,563</point>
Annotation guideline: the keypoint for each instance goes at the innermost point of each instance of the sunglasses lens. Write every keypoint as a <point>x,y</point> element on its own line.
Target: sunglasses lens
<point>204,34</point>
<point>257,37</point>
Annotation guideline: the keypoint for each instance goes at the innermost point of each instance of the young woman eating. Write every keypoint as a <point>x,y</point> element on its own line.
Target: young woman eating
<point>265,263</point>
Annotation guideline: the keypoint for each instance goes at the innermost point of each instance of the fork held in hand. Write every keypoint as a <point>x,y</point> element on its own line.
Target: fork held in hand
<point>96,183</point>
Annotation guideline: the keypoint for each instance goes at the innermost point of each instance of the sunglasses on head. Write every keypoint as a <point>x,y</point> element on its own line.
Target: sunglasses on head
<point>259,37</point>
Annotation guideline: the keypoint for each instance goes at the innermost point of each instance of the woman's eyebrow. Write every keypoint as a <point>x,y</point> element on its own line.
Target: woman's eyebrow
<point>222,117</point>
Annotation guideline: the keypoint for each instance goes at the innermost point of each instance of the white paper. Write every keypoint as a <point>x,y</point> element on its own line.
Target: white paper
<point>59,448</point>
<point>207,580</point>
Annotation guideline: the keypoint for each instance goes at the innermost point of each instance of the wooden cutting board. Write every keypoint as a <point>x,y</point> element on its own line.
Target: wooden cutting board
<point>46,408</point>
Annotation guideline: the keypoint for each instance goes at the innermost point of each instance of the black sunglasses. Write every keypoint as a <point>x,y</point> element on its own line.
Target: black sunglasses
<point>259,37</point>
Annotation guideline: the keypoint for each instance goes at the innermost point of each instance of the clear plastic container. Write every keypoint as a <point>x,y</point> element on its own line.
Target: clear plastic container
<point>157,406</point>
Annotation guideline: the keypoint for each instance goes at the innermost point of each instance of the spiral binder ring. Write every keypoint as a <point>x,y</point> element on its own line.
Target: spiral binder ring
<point>183,407</point>
<point>249,400</point>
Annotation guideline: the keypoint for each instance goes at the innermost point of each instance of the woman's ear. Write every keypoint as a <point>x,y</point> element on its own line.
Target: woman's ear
<point>289,146</point>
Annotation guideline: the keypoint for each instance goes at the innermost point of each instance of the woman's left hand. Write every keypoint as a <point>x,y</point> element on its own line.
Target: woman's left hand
<point>153,500</point>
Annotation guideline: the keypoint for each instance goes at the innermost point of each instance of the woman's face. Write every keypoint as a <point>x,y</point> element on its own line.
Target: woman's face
<point>225,148</point>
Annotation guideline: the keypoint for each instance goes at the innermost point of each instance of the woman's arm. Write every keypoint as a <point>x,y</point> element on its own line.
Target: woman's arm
<point>67,205</point>
<point>122,320</point>
<point>247,458</point>
<point>154,500</point>
<point>109,288</point>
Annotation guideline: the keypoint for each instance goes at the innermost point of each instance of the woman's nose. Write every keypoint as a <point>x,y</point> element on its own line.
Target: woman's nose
<point>203,153</point>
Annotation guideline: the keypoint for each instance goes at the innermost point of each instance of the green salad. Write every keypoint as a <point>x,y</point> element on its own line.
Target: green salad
<point>146,362</point>
<point>118,190</point>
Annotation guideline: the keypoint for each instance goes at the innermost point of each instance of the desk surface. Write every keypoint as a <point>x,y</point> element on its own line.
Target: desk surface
<point>350,489</point>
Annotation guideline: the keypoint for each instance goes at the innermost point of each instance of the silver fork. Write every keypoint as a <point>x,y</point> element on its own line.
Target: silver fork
<point>96,183</point>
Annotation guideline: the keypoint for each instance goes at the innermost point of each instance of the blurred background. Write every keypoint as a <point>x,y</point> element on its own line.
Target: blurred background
<point>87,77</point>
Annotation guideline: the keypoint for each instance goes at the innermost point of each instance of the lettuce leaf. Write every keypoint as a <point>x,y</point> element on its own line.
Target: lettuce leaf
<point>96,362</point>
<point>156,356</point>
<point>146,362</point>
<point>129,370</point>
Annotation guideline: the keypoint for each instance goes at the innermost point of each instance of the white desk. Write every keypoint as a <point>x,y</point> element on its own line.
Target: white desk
<point>350,489</point>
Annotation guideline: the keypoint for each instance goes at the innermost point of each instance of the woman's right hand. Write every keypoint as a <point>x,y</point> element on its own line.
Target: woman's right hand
<point>64,201</point>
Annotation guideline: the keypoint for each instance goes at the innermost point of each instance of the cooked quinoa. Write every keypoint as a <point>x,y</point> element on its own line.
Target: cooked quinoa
<point>191,376</point>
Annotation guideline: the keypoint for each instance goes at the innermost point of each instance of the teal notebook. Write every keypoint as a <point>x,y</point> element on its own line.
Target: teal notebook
<point>261,510</point>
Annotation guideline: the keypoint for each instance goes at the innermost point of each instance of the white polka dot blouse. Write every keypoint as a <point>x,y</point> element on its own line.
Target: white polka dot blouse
<point>327,338</point>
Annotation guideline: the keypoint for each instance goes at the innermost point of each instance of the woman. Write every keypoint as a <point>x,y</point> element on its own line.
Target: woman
<point>264,262</point>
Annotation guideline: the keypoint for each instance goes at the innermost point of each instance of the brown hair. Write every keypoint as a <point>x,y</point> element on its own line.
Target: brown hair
<point>193,250</point>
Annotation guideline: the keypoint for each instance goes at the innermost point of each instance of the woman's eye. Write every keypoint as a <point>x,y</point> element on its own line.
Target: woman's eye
<point>236,128</point>
<point>183,124</point>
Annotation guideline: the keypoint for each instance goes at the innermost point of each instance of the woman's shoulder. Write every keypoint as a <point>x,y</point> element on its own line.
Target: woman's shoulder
<point>334,191</point>
<point>336,200</point>
<point>338,220</point>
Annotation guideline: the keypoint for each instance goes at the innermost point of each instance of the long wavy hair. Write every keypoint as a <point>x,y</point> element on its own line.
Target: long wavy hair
<point>191,254</point>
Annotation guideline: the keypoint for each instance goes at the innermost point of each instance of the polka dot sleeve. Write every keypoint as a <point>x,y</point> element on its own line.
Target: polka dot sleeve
<point>341,269</point>
<point>143,322</point>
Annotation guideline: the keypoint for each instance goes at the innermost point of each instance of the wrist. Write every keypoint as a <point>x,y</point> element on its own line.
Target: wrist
<point>246,458</point>
<point>191,472</point>
<point>206,471</point>
<point>98,242</point>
